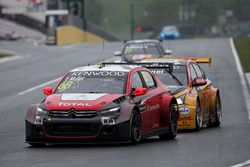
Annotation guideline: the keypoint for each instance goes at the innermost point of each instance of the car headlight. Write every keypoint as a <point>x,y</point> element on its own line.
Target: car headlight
<point>180,99</point>
<point>40,114</point>
<point>110,111</point>
<point>41,111</point>
<point>177,34</point>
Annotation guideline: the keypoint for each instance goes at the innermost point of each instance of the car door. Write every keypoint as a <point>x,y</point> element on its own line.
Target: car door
<point>202,91</point>
<point>141,102</point>
<point>154,101</point>
<point>206,89</point>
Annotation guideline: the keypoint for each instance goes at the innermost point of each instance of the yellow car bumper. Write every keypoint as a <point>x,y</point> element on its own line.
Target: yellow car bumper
<point>187,117</point>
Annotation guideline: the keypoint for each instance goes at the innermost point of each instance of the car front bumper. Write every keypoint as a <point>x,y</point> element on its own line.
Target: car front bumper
<point>72,131</point>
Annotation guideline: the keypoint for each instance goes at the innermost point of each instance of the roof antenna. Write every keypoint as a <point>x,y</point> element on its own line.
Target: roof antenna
<point>103,47</point>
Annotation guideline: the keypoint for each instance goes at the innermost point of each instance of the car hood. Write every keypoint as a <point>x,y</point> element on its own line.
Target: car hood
<point>136,57</point>
<point>176,89</point>
<point>79,101</point>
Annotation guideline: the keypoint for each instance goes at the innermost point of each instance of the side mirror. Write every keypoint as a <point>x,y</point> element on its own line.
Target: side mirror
<point>198,81</point>
<point>47,91</point>
<point>168,52</point>
<point>140,91</point>
<point>117,53</point>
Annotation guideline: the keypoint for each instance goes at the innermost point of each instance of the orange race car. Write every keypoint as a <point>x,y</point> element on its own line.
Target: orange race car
<point>199,102</point>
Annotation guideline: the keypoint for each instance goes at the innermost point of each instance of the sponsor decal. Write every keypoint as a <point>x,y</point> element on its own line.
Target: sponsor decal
<point>185,118</point>
<point>80,96</point>
<point>157,71</point>
<point>154,107</point>
<point>184,110</point>
<point>62,104</point>
<point>76,79</point>
<point>184,125</point>
<point>83,74</point>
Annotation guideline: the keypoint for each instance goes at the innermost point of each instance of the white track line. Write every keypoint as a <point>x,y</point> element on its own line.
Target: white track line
<point>241,74</point>
<point>10,58</point>
<point>13,56</point>
<point>246,163</point>
<point>7,51</point>
<point>39,86</point>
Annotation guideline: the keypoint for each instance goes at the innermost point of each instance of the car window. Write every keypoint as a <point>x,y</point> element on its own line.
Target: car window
<point>203,75</point>
<point>133,49</point>
<point>149,81</point>
<point>169,28</point>
<point>192,72</point>
<point>179,72</point>
<point>93,82</point>
<point>136,81</point>
<point>197,69</point>
<point>152,49</point>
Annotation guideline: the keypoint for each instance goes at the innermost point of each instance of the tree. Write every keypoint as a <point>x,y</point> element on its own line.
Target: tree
<point>241,10</point>
<point>93,11</point>
<point>161,13</point>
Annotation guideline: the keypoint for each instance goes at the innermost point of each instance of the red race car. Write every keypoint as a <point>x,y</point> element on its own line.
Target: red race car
<point>105,103</point>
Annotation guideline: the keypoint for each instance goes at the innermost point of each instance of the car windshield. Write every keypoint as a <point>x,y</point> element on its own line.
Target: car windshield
<point>137,49</point>
<point>169,28</point>
<point>178,77</point>
<point>93,82</point>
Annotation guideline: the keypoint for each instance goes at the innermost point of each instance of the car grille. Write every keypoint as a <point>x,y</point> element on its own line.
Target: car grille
<point>72,114</point>
<point>57,129</point>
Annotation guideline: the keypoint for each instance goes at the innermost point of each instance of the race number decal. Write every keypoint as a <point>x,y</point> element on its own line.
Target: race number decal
<point>65,85</point>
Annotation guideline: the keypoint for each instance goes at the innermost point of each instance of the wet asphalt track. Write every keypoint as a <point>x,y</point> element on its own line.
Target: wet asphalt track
<point>217,147</point>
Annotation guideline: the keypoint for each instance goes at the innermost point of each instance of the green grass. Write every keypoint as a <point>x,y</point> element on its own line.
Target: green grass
<point>242,45</point>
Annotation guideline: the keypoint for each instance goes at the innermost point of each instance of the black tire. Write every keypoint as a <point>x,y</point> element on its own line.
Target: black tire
<point>135,128</point>
<point>37,144</point>
<point>217,114</point>
<point>173,124</point>
<point>198,117</point>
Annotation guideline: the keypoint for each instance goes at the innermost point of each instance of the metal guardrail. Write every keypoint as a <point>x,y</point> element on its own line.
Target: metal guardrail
<point>24,20</point>
<point>40,26</point>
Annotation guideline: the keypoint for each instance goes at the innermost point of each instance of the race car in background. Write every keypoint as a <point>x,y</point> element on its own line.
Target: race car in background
<point>136,50</point>
<point>103,103</point>
<point>199,102</point>
<point>169,32</point>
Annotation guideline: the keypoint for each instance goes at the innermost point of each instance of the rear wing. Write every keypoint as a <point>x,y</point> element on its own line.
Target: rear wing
<point>167,65</point>
<point>205,60</point>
